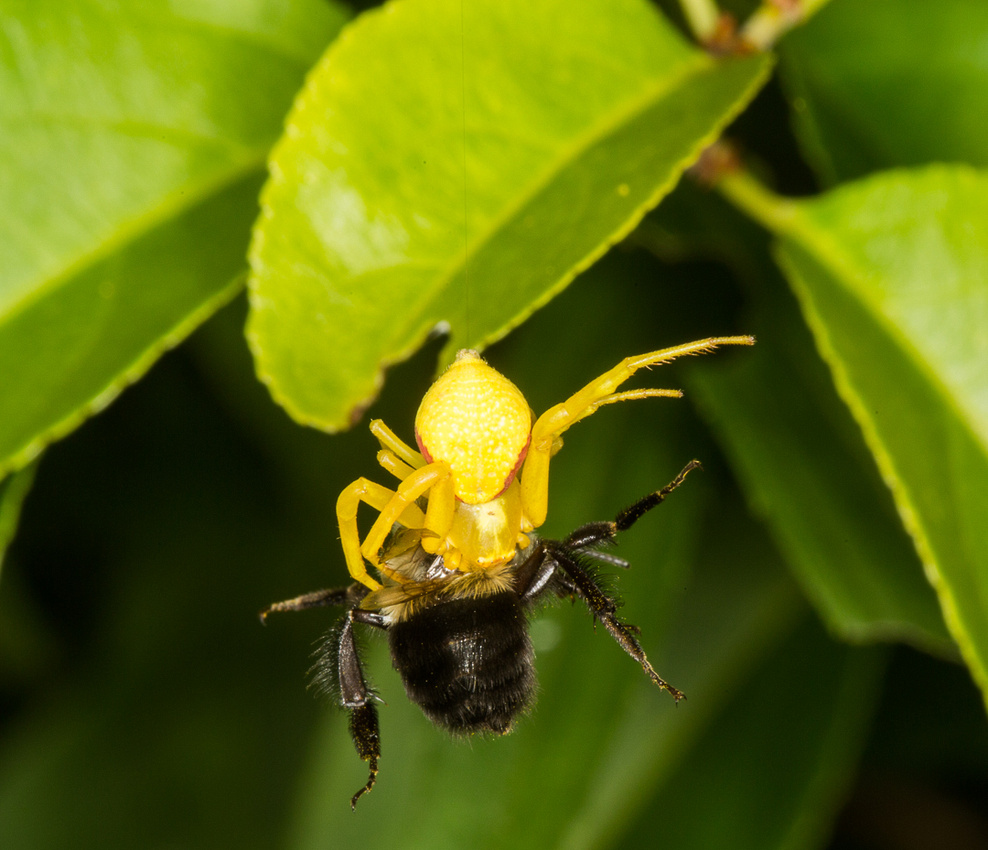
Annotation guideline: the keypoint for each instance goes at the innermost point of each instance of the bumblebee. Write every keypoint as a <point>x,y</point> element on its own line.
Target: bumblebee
<point>460,567</point>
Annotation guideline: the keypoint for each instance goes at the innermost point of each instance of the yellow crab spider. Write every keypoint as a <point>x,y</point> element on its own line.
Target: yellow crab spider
<point>482,474</point>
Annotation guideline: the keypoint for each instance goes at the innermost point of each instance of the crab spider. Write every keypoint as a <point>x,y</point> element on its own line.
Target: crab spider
<point>462,570</point>
<point>482,472</point>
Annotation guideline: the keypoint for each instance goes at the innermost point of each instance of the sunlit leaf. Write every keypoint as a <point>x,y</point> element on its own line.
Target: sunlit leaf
<point>133,137</point>
<point>892,273</point>
<point>448,165</point>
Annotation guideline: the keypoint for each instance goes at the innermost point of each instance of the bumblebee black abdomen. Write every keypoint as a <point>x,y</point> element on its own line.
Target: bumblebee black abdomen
<point>467,662</point>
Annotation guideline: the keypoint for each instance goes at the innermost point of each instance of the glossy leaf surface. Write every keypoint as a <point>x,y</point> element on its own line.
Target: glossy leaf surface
<point>130,129</point>
<point>424,182</point>
<point>892,274</point>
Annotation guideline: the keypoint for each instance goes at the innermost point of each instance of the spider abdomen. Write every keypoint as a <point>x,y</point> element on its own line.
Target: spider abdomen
<point>467,663</point>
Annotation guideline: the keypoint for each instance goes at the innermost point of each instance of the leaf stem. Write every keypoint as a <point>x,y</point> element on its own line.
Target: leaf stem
<point>753,198</point>
<point>774,18</point>
<point>703,18</point>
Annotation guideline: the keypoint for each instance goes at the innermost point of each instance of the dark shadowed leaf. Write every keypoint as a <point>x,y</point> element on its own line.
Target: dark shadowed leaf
<point>795,448</point>
<point>773,768</point>
<point>887,83</point>
<point>803,464</point>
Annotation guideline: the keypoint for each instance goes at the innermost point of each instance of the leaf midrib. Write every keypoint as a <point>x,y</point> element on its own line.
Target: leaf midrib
<point>170,207</point>
<point>568,154</point>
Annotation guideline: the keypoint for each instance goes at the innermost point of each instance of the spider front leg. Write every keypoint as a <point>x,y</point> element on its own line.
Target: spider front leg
<point>550,426</point>
<point>442,501</point>
<point>401,460</point>
<point>393,443</point>
<point>379,498</point>
<point>390,462</point>
<point>432,479</point>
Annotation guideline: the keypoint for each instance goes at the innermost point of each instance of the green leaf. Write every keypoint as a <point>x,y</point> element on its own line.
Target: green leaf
<point>802,462</point>
<point>774,766</point>
<point>13,489</point>
<point>901,82</point>
<point>449,166</point>
<point>134,135</point>
<point>892,273</point>
<point>795,449</point>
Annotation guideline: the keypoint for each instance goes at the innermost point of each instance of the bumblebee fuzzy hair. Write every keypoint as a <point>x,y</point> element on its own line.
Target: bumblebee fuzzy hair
<point>588,560</point>
<point>324,674</point>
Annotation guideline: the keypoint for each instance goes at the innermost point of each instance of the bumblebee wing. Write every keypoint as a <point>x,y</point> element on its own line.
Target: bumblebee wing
<point>396,594</point>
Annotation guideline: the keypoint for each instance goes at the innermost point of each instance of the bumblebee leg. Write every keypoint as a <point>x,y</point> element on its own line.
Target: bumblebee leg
<point>533,576</point>
<point>629,516</point>
<point>358,699</point>
<point>595,533</point>
<point>378,497</point>
<point>350,596</point>
<point>346,669</point>
<point>604,608</point>
<point>317,599</point>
